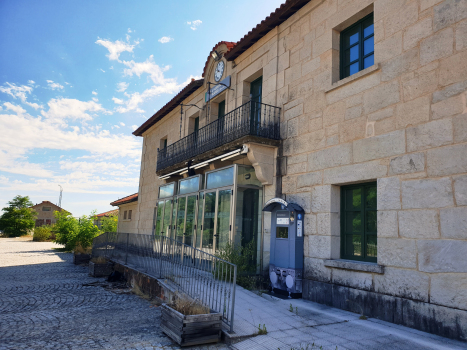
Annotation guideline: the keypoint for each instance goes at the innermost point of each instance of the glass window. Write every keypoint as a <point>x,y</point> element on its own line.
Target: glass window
<point>282,232</point>
<point>358,222</point>
<point>220,178</point>
<point>160,210</point>
<point>189,185</point>
<point>357,47</point>
<point>247,176</point>
<point>167,190</point>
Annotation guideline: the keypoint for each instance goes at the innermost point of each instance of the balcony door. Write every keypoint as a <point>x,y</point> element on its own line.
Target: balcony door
<point>256,90</point>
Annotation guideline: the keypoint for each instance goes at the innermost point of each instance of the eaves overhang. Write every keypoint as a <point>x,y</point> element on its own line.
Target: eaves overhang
<point>276,18</point>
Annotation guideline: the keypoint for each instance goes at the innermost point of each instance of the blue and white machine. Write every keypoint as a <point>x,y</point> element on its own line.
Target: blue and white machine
<point>286,254</point>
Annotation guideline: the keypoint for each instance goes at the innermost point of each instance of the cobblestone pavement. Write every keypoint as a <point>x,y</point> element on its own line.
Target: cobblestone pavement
<point>46,304</point>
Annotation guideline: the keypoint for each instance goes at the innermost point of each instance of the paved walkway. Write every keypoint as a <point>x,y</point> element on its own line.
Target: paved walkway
<point>330,328</point>
<point>46,304</point>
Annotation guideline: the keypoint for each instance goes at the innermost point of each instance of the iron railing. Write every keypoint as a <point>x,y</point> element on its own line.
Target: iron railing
<point>252,118</point>
<point>202,276</point>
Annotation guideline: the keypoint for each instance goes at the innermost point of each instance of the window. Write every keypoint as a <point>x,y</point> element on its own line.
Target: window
<point>358,222</point>
<point>357,47</point>
<point>163,143</point>
<point>124,215</point>
<point>46,208</point>
<point>129,214</point>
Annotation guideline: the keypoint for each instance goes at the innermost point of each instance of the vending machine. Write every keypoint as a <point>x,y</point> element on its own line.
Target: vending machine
<point>286,254</point>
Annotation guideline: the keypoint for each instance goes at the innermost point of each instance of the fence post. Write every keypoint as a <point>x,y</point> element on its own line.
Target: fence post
<point>126,255</point>
<point>160,256</point>
<point>233,299</point>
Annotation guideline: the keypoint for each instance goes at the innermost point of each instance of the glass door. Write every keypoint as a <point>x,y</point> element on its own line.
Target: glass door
<point>209,216</point>
<point>256,90</point>
<point>190,220</point>
<point>223,225</point>
<point>180,223</point>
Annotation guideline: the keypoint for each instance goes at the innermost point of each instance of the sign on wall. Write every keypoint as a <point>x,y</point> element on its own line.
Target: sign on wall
<point>217,89</point>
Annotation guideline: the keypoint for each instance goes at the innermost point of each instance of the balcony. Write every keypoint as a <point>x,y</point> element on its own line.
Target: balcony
<point>252,121</point>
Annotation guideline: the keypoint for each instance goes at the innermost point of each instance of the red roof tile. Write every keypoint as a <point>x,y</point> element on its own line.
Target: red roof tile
<point>124,200</point>
<point>108,213</point>
<point>229,45</point>
<point>277,17</point>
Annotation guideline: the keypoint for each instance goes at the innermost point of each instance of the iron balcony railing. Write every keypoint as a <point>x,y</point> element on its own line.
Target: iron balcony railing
<point>252,118</point>
<point>200,275</point>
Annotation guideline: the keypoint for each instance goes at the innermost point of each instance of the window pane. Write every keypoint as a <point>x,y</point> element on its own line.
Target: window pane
<point>165,231</point>
<point>181,219</point>
<point>223,218</point>
<point>160,209</point>
<point>368,30</point>
<point>200,221</point>
<point>353,222</point>
<point>209,216</point>
<point>189,185</point>
<point>354,53</point>
<point>371,197</point>
<point>220,178</point>
<point>371,221</point>
<point>352,36</point>
<point>369,45</point>
<point>353,69</point>
<point>282,232</point>
<point>371,247</point>
<point>368,61</point>
<point>167,190</point>
<point>190,219</point>
<point>354,245</point>
<point>354,199</point>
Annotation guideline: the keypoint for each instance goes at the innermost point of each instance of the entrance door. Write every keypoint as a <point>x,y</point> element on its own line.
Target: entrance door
<point>163,219</point>
<point>217,216</point>
<point>190,219</point>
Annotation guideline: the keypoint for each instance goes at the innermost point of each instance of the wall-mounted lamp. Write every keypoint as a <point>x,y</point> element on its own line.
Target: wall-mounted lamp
<point>216,55</point>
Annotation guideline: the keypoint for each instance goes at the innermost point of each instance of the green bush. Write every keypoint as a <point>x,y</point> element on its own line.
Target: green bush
<point>18,219</point>
<point>72,232</point>
<point>42,233</point>
<point>242,257</point>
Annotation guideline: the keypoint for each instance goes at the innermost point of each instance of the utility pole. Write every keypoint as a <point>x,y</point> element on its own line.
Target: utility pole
<point>60,199</point>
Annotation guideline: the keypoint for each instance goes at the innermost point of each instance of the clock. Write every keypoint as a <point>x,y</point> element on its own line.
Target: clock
<point>219,71</point>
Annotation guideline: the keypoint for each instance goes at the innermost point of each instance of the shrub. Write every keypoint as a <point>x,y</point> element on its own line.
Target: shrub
<point>241,256</point>
<point>66,228</point>
<point>42,233</point>
<point>75,233</point>
<point>18,219</point>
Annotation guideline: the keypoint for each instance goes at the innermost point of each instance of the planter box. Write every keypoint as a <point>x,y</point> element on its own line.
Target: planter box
<point>100,270</point>
<point>191,330</point>
<point>79,259</point>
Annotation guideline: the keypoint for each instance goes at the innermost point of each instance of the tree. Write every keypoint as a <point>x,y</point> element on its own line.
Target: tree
<point>109,223</point>
<point>67,228</point>
<point>18,219</point>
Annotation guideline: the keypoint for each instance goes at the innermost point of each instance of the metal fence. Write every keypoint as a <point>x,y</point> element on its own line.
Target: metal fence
<point>252,118</point>
<point>200,275</point>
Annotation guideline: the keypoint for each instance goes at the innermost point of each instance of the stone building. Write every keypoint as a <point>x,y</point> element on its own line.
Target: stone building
<point>356,111</point>
<point>128,207</point>
<point>45,213</point>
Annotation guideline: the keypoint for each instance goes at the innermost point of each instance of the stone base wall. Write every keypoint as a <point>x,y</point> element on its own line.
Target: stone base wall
<point>427,317</point>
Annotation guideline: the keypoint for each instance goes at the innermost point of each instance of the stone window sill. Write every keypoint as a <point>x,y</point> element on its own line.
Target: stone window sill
<point>355,266</point>
<point>354,77</point>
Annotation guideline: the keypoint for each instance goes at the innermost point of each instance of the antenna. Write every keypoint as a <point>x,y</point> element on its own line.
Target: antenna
<point>60,199</point>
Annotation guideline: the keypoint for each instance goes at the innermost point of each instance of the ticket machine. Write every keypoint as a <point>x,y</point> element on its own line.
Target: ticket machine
<point>286,254</point>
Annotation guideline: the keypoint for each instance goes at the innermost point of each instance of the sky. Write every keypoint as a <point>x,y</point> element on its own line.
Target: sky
<point>77,77</point>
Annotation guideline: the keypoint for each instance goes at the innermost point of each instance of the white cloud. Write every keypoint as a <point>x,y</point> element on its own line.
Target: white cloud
<point>116,47</point>
<point>155,72</point>
<point>31,82</point>
<point>194,24</point>
<point>165,39</point>
<point>94,93</point>
<point>65,108</point>
<point>121,87</point>
<point>19,92</point>
<point>54,86</point>
<point>134,127</point>
<point>129,30</point>
<point>95,99</point>
<point>122,124</point>
<point>117,100</point>
<point>103,71</point>
<point>14,108</point>
<point>116,127</point>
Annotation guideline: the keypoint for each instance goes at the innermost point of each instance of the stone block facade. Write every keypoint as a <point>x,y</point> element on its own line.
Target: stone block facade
<point>401,123</point>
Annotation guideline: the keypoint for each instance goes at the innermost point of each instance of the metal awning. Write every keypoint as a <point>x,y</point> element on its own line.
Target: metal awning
<point>273,203</point>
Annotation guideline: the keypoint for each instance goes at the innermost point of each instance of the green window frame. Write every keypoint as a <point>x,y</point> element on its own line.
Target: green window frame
<point>357,47</point>
<point>358,222</point>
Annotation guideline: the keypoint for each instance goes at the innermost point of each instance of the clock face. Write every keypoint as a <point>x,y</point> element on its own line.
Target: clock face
<point>219,71</point>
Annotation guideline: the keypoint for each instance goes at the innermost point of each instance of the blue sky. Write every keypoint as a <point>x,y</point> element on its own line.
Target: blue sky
<point>77,77</point>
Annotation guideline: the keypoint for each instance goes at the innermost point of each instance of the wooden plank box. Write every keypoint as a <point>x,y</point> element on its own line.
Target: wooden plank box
<point>79,259</point>
<point>193,329</point>
<point>100,270</point>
